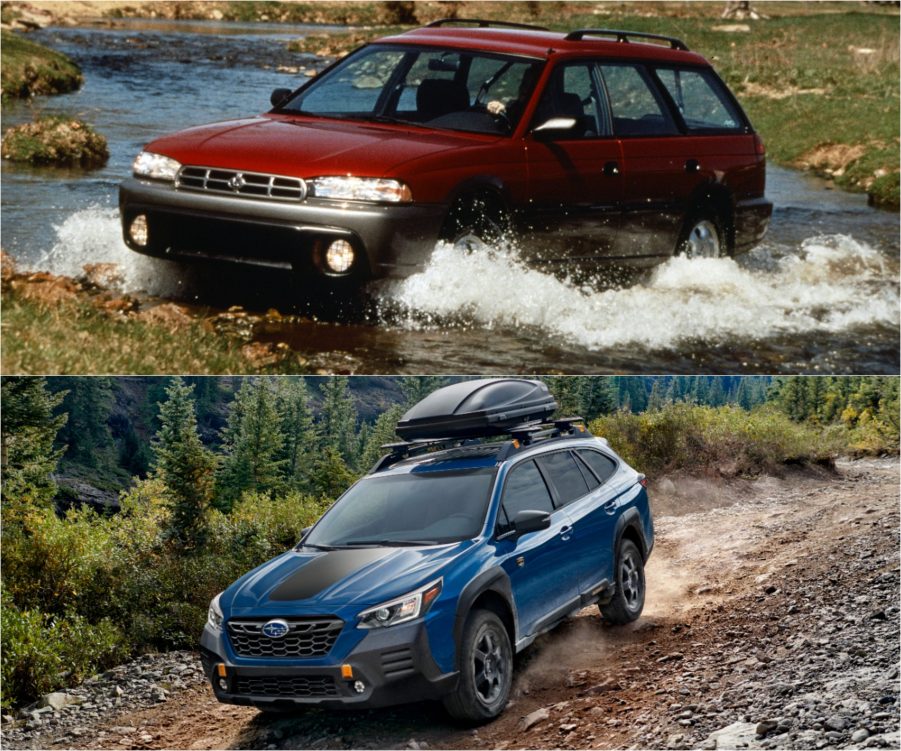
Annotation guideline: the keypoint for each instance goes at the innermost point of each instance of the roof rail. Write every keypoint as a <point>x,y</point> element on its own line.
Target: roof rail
<point>624,36</point>
<point>483,23</point>
<point>521,436</point>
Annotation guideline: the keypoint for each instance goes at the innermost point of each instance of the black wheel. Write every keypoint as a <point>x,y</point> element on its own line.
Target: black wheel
<point>628,602</point>
<point>703,236</point>
<point>476,219</point>
<point>486,670</point>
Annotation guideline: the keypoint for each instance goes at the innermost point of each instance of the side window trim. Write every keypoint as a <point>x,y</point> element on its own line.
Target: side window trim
<point>606,456</point>
<point>587,473</point>
<point>658,92</point>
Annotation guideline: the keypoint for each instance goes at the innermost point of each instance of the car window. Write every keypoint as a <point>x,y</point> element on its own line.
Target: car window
<point>699,99</point>
<point>525,490</point>
<point>565,475</point>
<point>638,110</point>
<point>351,88</point>
<point>602,466</point>
<point>571,92</point>
<point>439,65</point>
<point>440,506</point>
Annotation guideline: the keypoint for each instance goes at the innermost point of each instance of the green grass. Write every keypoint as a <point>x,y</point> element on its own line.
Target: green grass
<point>76,338</point>
<point>28,69</point>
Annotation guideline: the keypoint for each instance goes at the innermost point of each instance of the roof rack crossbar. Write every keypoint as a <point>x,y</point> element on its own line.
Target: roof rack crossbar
<point>624,36</point>
<point>483,23</point>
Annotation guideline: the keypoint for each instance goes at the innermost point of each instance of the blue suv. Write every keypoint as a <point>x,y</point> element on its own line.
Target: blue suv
<point>427,575</point>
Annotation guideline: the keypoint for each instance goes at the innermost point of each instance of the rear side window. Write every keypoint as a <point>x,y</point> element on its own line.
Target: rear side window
<point>638,110</point>
<point>700,99</point>
<point>564,473</point>
<point>525,491</point>
<point>602,466</point>
<point>571,92</point>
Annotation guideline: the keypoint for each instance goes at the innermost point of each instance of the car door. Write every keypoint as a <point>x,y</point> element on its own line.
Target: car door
<point>659,169</point>
<point>536,563</point>
<point>574,184</point>
<point>577,489</point>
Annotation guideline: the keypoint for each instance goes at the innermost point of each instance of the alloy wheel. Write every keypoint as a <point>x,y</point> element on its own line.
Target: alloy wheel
<point>489,667</point>
<point>703,241</point>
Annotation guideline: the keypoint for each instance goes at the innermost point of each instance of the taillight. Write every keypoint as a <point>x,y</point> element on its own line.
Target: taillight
<point>643,481</point>
<point>759,147</point>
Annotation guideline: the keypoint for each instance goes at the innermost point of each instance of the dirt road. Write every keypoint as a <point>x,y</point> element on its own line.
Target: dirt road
<point>772,611</point>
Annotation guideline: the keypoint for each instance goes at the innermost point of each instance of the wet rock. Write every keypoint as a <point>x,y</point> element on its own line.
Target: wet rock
<point>167,314</point>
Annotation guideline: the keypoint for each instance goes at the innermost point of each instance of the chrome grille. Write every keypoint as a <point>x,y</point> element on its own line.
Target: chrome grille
<point>305,638</point>
<point>243,184</point>
<point>287,686</point>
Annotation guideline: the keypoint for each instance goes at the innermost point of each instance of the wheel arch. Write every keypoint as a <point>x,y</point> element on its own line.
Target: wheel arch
<point>628,527</point>
<point>492,591</point>
<point>489,187</point>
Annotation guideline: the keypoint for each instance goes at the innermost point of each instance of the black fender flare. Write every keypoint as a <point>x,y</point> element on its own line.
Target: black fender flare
<point>630,519</point>
<point>494,580</point>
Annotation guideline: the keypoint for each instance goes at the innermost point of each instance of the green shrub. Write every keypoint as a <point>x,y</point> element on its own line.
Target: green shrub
<point>725,440</point>
<point>43,652</point>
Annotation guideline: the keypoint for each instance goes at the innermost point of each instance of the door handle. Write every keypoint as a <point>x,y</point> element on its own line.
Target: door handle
<point>610,506</point>
<point>692,165</point>
<point>611,169</point>
<point>566,532</point>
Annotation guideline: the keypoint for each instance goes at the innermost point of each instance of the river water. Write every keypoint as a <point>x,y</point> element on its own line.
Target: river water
<point>821,294</point>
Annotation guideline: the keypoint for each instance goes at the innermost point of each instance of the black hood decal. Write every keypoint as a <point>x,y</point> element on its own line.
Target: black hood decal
<point>323,571</point>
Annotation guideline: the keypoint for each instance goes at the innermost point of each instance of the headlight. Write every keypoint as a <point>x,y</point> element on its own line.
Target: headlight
<point>214,614</point>
<point>155,166</point>
<point>361,189</point>
<point>402,609</point>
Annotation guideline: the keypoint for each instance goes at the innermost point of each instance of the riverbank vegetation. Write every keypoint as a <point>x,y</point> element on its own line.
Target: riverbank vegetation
<point>55,140</point>
<point>28,69</point>
<point>226,472</point>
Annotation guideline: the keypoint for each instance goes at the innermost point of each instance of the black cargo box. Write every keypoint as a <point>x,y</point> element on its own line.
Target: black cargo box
<point>474,409</point>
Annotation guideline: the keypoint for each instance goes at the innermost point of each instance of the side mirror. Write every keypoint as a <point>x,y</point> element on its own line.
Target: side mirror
<point>556,126</point>
<point>278,96</point>
<point>531,521</point>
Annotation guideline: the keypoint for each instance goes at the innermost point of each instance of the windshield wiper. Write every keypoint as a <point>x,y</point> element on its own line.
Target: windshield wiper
<point>311,545</point>
<point>393,543</point>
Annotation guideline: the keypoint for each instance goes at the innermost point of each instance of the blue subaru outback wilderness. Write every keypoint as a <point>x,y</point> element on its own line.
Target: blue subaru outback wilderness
<point>455,552</point>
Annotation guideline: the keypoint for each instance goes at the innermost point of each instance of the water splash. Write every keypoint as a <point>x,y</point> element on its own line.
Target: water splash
<point>829,284</point>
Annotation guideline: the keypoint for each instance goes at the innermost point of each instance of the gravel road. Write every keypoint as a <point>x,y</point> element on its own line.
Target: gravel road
<point>772,621</point>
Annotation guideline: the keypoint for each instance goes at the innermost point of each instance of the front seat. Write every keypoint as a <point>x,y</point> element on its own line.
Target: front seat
<point>441,96</point>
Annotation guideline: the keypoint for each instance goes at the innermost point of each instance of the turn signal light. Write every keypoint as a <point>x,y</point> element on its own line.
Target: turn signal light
<point>347,672</point>
<point>220,670</point>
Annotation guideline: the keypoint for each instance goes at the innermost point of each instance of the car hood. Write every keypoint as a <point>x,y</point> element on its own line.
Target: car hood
<point>304,147</point>
<point>319,582</point>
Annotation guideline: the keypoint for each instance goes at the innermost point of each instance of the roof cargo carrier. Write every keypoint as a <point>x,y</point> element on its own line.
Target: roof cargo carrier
<point>477,409</point>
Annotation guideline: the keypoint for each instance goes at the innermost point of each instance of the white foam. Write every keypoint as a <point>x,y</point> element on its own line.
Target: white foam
<point>832,283</point>
<point>94,235</point>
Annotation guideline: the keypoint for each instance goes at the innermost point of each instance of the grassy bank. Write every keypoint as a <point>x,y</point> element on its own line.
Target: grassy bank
<point>820,82</point>
<point>55,140</point>
<point>52,325</point>
<point>28,68</point>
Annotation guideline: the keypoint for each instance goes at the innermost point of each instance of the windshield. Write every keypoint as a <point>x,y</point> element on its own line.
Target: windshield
<point>415,508</point>
<point>433,87</point>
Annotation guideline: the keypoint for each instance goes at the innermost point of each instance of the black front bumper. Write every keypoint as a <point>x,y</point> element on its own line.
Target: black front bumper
<point>394,665</point>
<point>391,240</point>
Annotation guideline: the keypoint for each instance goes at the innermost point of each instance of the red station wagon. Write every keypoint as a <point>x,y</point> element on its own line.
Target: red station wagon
<point>591,147</point>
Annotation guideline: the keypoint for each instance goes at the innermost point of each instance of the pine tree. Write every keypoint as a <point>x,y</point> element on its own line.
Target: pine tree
<point>299,430</point>
<point>185,466</point>
<point>87,433</point>
<point>331,475</point>
<point>338,419</point>
<point>597,396</point>
<point>253,444</point>
<point>382,432</point>
<point>27,454</point>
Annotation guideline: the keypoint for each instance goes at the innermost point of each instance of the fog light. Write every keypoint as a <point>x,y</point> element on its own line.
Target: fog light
<point>138,231</point>
<point>359,687</point>
<point>339,257</point>
<point>223,684</point>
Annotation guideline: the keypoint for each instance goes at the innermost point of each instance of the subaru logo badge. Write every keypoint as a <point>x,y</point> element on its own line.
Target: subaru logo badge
<point>236,182</point>
<point>275,629</point>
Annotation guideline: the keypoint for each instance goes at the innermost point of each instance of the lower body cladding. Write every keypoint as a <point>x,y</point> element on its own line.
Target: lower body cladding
<point>389,666</point>
<point>752,218</point>
<point>318,238</point>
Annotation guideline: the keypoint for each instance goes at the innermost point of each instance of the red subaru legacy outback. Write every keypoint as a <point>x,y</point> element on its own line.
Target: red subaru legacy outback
<point>590,147</point>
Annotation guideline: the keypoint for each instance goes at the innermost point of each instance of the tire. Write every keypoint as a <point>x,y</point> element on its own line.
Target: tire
<point>476,219</point>
<point>626,605</point>
<point>703,236</point>
<point>481,694</point>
